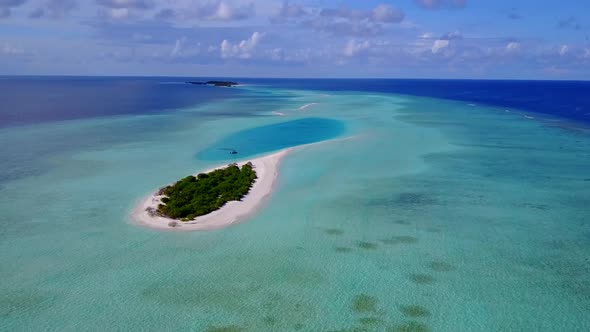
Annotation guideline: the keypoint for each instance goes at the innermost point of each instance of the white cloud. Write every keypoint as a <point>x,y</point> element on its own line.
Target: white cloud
<point>354,47</point>
<point>427,35</point>
<point>217,10</point>
<point>224,12</point>
<point>11,50</point>
<point>118,13</point>
<point>289,10</point>
<point>276,54</point>
<point>242,50</point>
<point>513,47</point>
<point>563,50</point>
<point>382,13</point>
<point>439,44</point>
<point>345,21</point>
<point>387,14</point>
<point>178,46</point>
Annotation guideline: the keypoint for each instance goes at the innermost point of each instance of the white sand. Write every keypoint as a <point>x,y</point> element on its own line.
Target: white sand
<point>266,170</point>
<point>302,108</point>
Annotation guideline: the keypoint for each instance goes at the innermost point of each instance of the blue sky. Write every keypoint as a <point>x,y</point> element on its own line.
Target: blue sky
<point>308,38</point>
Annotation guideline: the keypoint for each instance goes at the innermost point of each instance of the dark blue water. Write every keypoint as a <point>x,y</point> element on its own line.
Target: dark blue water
<point>273,137</point>
<point>565,99</point>
<point>32,100</point>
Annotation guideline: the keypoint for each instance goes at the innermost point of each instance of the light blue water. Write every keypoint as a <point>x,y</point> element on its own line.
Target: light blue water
<point>433,215</point>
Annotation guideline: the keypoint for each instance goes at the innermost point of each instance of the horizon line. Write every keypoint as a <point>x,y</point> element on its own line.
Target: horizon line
<point>298,78</point>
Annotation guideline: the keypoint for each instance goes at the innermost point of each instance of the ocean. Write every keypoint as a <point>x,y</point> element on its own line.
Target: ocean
<point>447,206</point>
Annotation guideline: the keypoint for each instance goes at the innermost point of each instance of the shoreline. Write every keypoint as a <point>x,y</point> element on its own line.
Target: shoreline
<point>266,168</point>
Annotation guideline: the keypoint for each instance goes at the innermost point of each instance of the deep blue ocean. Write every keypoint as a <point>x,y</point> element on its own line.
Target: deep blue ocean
<point>565,99</point>
<point>30,100</point>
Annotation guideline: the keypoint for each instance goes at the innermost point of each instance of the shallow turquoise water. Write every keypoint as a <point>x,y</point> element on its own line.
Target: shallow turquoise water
<point>273,137</point>
<point>431,215</point>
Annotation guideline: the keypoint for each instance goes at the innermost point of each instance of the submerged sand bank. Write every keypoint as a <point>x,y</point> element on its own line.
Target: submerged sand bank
<point>267,171</point>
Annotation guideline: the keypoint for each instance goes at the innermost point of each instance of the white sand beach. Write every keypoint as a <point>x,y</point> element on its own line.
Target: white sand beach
<point>266,169</point>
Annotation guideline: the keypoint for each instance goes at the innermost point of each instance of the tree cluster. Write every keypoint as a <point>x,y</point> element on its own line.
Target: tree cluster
<point>197,196</point>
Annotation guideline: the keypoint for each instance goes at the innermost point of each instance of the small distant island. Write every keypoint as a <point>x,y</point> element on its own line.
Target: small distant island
<point>197,196</point>
<point>214,83</point>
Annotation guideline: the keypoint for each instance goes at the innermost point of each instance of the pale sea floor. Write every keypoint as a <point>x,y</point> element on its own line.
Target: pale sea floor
<point>434,216</point>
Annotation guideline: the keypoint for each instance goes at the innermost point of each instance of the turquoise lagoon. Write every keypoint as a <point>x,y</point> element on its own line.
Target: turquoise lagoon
<point>431,215</point>
<point>273,137</point>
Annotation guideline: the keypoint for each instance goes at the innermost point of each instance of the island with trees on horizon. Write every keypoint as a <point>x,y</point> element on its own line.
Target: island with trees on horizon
<point>214,83</point>
<point>197,196</point>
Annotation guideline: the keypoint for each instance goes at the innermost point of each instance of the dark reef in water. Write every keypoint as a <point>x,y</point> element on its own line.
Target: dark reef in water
<point>214,83</point>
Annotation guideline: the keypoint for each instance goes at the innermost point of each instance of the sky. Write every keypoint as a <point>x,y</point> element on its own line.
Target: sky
<point>499,39</point>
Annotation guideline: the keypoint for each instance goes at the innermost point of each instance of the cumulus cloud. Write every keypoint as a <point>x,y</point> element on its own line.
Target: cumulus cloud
<point>217,10</point>
<point>225,12</point>
<point>242,50</point>
<point>6,7</point>
<point>439,45</point>
<point>436,4</point>
<point>54,9</point>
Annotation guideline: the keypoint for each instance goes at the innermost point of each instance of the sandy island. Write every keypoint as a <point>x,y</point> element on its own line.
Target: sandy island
<point>266,170</point>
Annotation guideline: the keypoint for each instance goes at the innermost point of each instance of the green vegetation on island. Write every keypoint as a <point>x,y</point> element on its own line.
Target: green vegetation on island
<point>197,196</point>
